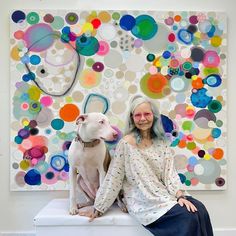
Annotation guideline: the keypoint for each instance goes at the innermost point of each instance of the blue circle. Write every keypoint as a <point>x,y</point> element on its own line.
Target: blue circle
<point>35,59</point>
<point>166,54</point>
<point>25,59</point>
<point>127,22</point>
<point>18,16</point>
<point>33,177</point>
<point>58,162</point>
<point>185,36</point>
<point>57,124</point>
<point>192,161</point>
<point>66,30</point>
<point>213,80</point>
<point>26,77</point>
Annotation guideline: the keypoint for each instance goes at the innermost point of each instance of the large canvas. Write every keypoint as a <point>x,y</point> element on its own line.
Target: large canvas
<point>65,63</point>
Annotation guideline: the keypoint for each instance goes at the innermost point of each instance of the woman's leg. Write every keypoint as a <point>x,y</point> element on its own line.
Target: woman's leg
<point>177,221</point>
<point>203,216</point>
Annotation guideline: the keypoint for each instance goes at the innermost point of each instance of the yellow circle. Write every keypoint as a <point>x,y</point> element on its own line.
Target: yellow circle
<point>216,41</point>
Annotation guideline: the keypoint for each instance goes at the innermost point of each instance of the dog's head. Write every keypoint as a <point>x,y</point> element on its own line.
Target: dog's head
<point>95,125</point>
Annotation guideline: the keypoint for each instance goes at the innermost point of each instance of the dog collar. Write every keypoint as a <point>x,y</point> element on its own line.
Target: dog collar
<point>87,144</point>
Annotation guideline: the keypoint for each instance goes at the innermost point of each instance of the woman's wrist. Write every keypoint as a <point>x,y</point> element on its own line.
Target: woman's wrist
<point>179,197</point>
<point>98,212</point>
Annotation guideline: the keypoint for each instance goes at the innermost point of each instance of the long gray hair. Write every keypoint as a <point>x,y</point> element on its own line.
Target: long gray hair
<point>157,131</point>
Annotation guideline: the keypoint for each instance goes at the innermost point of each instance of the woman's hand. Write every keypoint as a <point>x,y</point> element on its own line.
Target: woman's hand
<point>94,215</point>
<point>91,213</point>
<point>188,204</point>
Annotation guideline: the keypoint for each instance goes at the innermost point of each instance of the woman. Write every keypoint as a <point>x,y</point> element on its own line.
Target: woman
<point>143,167</point>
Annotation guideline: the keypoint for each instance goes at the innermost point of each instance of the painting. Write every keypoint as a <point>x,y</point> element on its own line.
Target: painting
<point>66,63</point>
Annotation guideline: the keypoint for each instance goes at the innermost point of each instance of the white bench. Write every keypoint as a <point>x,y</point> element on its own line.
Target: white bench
<point>54,220</point>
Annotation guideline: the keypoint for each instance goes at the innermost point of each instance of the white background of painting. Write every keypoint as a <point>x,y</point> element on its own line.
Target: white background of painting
<point>17,209</point>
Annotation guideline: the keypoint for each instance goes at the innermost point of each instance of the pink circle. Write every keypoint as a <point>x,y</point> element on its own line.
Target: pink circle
<point>211,59</point>
<point>46,101</point>
<point>25,106</point>
<point>51,180</point>
<point>64,175</point>
<point>152,70</point>
<point>190,168</point>
<point>34,161</point>
<point>103,48</point>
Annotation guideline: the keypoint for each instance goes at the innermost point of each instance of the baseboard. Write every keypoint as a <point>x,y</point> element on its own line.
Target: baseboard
<point>225,232</point>
<point>217,232</point>
<point>25,233</point>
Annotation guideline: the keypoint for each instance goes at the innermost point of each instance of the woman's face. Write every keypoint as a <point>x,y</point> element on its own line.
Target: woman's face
<point>143,116</point>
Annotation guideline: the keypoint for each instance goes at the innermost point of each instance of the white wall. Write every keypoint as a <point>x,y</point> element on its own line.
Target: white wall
<point>17,209</point>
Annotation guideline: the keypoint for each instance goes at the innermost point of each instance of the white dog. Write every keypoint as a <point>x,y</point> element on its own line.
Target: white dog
<point>88,158</point>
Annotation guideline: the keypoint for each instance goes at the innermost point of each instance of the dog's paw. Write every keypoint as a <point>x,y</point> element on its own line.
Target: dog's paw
<point>74,211</point>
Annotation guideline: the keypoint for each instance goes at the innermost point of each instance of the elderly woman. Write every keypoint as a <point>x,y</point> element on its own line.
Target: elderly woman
<point>143,166</point>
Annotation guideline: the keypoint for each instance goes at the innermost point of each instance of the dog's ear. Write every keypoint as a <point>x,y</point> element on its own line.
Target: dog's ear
<point>81,119</point>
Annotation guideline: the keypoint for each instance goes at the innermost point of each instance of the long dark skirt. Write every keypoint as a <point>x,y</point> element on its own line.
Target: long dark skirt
<point>178,221</point>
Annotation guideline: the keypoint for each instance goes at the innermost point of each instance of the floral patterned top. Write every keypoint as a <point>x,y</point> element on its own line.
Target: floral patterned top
<point>148,178</point>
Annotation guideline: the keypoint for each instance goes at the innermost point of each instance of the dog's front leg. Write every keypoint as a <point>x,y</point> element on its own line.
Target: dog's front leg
<point>73,185</point>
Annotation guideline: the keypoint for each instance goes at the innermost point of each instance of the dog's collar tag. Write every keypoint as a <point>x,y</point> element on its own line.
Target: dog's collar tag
<point>87,144</point>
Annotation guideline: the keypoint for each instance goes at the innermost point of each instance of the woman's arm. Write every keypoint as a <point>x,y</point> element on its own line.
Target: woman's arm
<point>173,183</point>
<point>112,183</point>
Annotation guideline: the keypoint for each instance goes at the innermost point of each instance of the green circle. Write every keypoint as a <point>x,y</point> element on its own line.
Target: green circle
<point>187,125</point>
<point>116,16</point>
<point>150,57</point>
<point>145,27</point>
<point>214,106</point>
<point>187,182</point>
<point>219,123</point>
<point>191,145</point>
<point>187,65</point>
<point>90,62</point>
<point>58,23</point>
<point>34,107</point>
<point>32,18</point>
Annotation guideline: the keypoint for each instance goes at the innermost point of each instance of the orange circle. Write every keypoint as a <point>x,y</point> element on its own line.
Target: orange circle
<point>177,18</point>
<point>218,153</point>
<point>182,144</point>
<point>69,112</point>
<point>156,83</point>
<point>197,83</point>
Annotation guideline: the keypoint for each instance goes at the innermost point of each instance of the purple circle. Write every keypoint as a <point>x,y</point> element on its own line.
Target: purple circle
<point>24,133</point>
<point>138,43</point>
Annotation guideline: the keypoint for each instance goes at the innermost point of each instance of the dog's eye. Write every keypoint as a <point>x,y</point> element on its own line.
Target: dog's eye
<point>101,121</point>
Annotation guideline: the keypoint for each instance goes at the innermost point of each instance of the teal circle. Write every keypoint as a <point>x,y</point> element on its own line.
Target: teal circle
<point>18,140</point>
<point>87,46</point>
<point>216,133</point>
<point>57,124</point>
<point>150,57</point>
